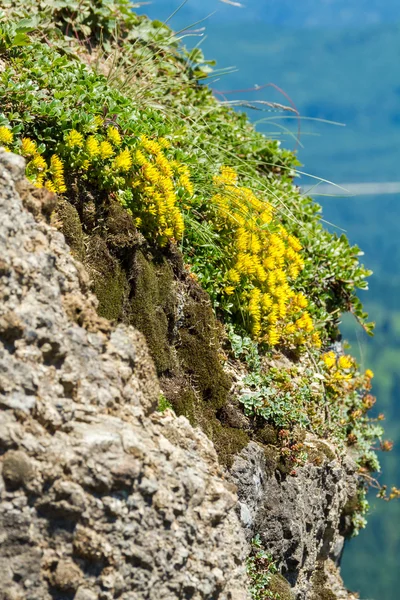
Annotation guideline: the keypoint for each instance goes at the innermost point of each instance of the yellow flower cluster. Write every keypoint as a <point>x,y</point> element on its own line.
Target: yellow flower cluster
<point>43,175</point>
<point>6,137</point>
<point>153,183</point>
<point>106,150</point>
<point>264,262</point>
<point>74,139</point>
<point>123,161</point>
<point>341,363</point>
<point>114,136</point>
<point>157,181</point>
<point>342,378</point>
<point>151,179</point>
<point>57,183</point>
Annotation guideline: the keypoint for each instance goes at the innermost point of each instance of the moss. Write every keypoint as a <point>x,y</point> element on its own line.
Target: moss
<point>109,281</point>
<point>152,308</point>
<point>267,434</point>
<point>198,350</point>
<point>185,404</point>
<point>119,230</point>
<point>280,587</point>
<point>227,441</point>
<point>71,227</point>
<point>319,580</point>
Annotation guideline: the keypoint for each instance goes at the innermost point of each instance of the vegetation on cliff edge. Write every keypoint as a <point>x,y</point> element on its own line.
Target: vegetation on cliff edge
<point>103,102</point>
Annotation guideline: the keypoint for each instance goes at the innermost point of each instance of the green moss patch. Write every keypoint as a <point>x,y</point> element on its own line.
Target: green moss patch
<point>280,588</point>
<point>109,281</point>
<point>152,307</point>
<point>319,581</point>
<point>198,349</point>
<point>71,227</point>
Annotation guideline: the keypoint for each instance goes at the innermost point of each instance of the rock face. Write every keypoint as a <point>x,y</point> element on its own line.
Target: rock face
<point>101,497</point>
<point>299,518</point>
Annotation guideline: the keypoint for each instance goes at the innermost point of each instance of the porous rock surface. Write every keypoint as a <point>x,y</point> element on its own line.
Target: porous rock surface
<point>301,517</point>
<point>100,497</point>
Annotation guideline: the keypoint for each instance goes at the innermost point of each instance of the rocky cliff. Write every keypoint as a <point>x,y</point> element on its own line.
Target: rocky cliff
<point>178,416</point>
<point>101,496</point>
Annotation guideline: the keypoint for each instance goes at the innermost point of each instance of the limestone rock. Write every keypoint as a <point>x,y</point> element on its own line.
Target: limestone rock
<point>298,518</point>
<point>100,497</point>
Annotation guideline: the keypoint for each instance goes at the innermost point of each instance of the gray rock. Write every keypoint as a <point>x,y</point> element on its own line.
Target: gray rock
<point>297,517</point>
<point>99,497</point>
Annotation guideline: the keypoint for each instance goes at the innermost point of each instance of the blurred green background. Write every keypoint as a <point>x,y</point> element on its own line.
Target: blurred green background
<point>337,60</point>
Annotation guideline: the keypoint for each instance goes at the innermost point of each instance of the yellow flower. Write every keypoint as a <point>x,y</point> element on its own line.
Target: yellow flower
<point>150,145</point>
<point>266,302</point>
<point>114,136</point>
<point>6,136</point>
<point>316,339</point>
<point>140,158</point>
<point>186,183</point>
<point>98,121</point>
<point>293,271</point>
<point>345,362</point>
<point>305,322</point>
<point>38,163</point>
<point>299,300</point>
<point>74,139</point>
<point>92,146</point>
<point>229,290</point>
<point>294,243</point>
<point>57,170</point>
<point>227,176</point>
<point>28,147</point>
<point>233,276</point>
<point>106,150</point>
<point>49,185</point>
<point>267,214</point>
<point>273,336</point>
<point>164,143</point>
<point>123,161</point>
<point>39,181</point>
<point>290,329</point>
<point>329,359</point>
<point>163,165</point>
<point>369,374</point>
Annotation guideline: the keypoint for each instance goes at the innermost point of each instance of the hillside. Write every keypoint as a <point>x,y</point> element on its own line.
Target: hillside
<point>192,231</point>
